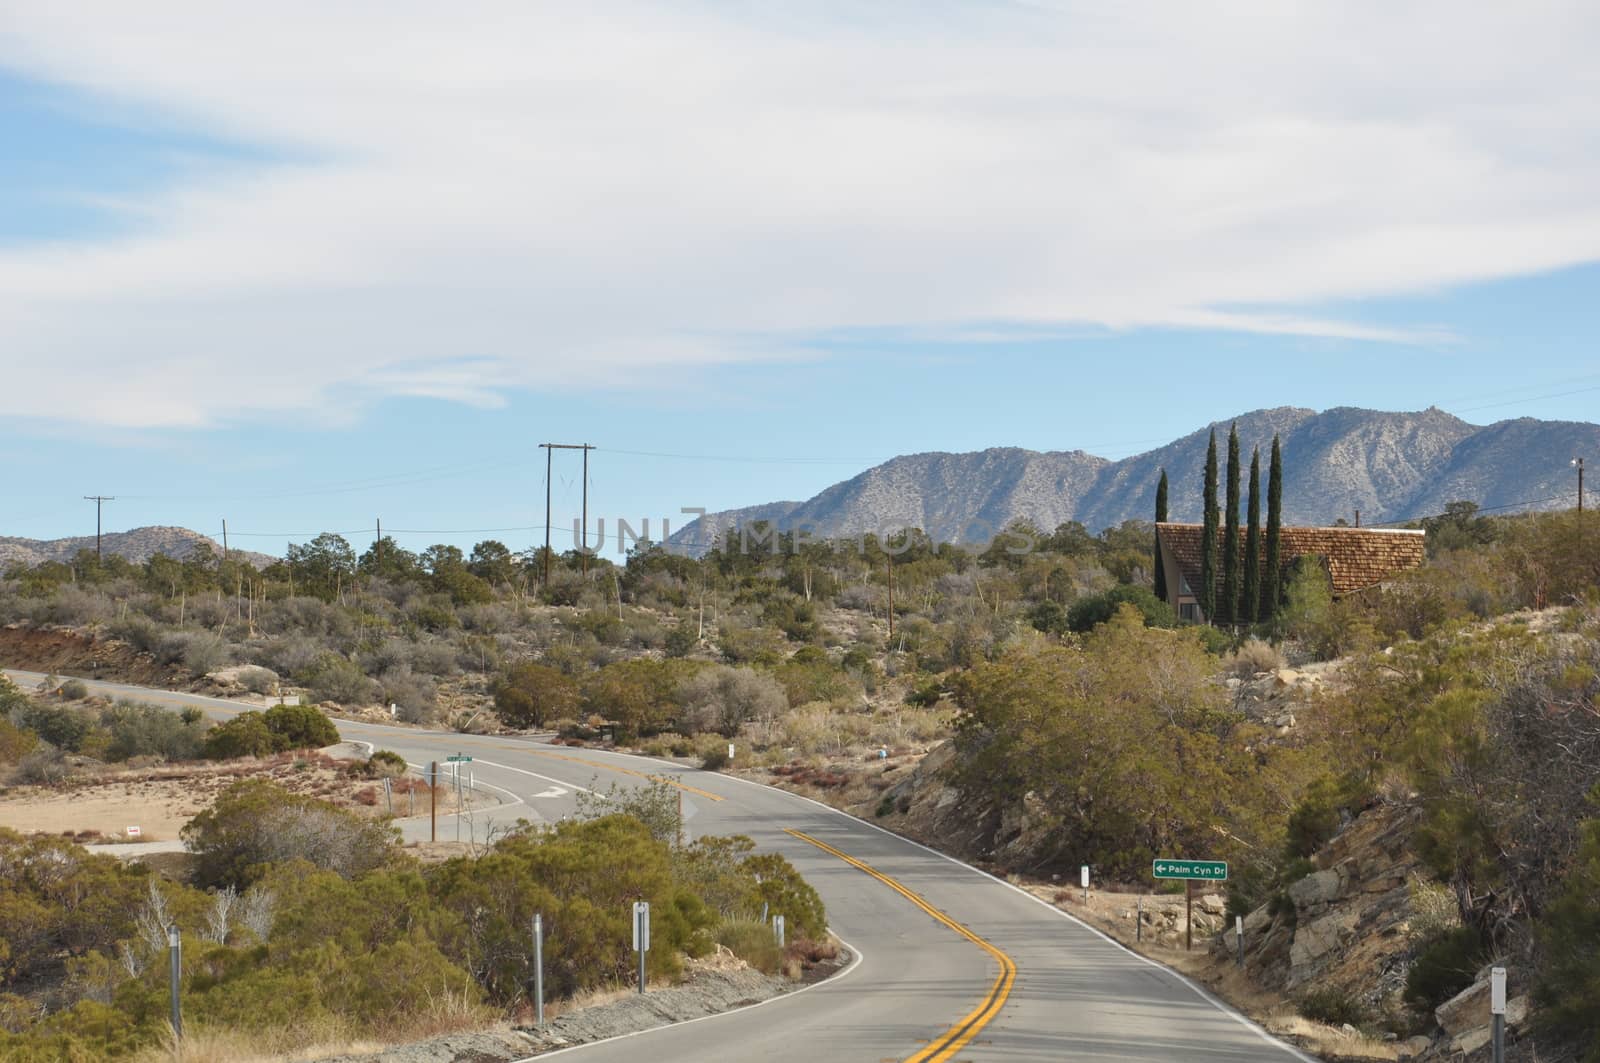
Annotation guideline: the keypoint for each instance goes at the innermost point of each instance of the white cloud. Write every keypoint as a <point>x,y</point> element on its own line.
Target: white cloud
<point>581,195</point>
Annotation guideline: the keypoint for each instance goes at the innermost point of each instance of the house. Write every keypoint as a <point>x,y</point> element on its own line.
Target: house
<point>1355,558</point>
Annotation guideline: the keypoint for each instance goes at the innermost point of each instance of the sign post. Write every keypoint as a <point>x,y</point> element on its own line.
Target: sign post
<point>1191,871</point>
<point>1238,936</point>
<point>175,974</point>
<point>778,930</point>
<point>1083,875</point>
<point>641,935</point>
<point>538,968</point>
<point>1497,1011</point>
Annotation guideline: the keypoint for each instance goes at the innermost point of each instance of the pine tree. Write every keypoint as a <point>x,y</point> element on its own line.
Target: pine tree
<point>1269,586</point>
<point>1161,516</point>
<point>1207,590</point>
<point>1230,534</point>
<point>1250,610</point>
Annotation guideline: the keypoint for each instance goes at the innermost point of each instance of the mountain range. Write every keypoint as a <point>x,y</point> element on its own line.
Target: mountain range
<point>138,546</point>
<point>1388,467</point>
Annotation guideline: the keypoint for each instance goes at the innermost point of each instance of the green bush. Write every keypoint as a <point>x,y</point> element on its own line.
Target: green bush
<point>754,942</point>
<point>301,726</point>
<point>1090,612</point>
<point>74,690</point>
<point>255,823</point>
<point>1444,967</point>
<point>246,735</point>
<point>1568,981</point>
<point>140,730</point>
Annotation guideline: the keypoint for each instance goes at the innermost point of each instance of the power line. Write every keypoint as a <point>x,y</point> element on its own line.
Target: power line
<point>99,501</point>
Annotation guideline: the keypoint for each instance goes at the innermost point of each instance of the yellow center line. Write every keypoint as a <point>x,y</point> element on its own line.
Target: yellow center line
<point>953,1040</point>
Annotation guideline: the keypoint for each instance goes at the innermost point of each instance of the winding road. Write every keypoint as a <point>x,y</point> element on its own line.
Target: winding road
<point>954,963</point>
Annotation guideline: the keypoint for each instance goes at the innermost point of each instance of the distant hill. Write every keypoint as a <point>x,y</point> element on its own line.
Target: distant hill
<point>138,545</point>
<point>1389,466</point>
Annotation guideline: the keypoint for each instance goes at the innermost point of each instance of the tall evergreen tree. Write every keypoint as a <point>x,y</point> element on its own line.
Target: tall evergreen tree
<point>1161,516</point>
<point>1207,591</point>
<point>1230,534</point>
<point>1269,586</point>
<point>1250,611</point>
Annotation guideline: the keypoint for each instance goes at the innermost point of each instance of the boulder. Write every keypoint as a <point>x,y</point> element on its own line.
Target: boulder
<point>1467,1010</point>
<point>1319,888</point>
<point>1317,939</point>
<point>1211,904</point>
<point>1412,1047</point>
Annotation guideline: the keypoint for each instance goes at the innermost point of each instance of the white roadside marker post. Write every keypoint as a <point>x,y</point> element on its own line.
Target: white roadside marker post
<point>175,973</point>
<point>778,930</point>
<point>1138,922</point>
<point>641,935</point>
<point>538,969</point>
<point>1083,875</point>
<point>1497,1011</point>
<point>1238,936</point>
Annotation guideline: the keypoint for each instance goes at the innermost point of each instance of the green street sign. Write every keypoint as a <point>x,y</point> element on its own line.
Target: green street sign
<point>458,759</point>
<point>1208,870</point>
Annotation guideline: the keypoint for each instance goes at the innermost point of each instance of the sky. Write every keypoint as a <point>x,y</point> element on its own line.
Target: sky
<point>302,267</point>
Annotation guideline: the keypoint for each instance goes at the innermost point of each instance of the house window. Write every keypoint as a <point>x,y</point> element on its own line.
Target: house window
<point>1189,611</point>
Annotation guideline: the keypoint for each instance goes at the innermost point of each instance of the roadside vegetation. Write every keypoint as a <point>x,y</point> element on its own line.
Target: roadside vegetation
<point>1069,690</point>
<point>304,923</point>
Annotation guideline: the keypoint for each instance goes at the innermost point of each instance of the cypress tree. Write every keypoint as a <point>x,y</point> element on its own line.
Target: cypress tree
<point>1230,534</point>
<point>1161,516</point>
<point>1207,591</point>
<point>1251,610</point>
<point>1269,586</point>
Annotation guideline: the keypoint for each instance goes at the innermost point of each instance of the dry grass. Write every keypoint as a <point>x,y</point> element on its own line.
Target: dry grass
<point>444,1014</point>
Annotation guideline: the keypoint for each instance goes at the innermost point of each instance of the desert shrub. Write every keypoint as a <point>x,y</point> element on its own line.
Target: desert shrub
<point>258,680</point>
<point>436,658</point>
<point>415,696</point>
<point>1444,967</point>
<point>339,680</point>
<point>681,639</point>
<point>720,699</point>
<point>1434,909</point>
<point>301,726</point>
<point>246,735</point>
<point>74,690</point>
<point>1333,1007</point>
<point>44,766</point>
<point>293,655</point>
<point>140,730</point>
<point>583,876</point>
<point>749,643</point>
<point>781,890</point>
<point>204,652</point>
<point>15,743</point>
<point>529,694</point>
<point>386,762</point>
<point>1253,656</point>
<point>752,941</point>
<point>1320,813</point>
<point>1567,985</point>
<point>139,632</point>
<point>1087,613</point>
<point>715,758</point>
<point>254,823</point>
<point>63,726</point>
<point>56,898</point>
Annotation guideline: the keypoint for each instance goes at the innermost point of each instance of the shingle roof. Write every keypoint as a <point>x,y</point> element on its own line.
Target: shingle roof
<point>1356,558</point>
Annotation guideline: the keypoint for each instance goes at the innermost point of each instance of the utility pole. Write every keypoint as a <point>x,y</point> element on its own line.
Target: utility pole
<point>224,538</point>
<point>377,543</point>
<point>100,500</point>
<point>583,545</point>
<point>1579,463</point>
<point>890,564</point>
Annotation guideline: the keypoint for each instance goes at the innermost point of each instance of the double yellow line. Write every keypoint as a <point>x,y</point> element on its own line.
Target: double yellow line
<point>953,1040</point>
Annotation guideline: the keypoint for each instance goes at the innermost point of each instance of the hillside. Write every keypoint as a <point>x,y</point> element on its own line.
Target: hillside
<point>1389,466</point>
<point>137,545</point>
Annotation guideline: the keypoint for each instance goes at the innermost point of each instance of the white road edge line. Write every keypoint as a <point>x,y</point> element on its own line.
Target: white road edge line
<point>1197,989</point>
<point>830,980</point>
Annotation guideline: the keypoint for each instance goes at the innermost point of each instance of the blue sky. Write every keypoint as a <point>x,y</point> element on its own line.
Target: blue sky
<point>748,254</point>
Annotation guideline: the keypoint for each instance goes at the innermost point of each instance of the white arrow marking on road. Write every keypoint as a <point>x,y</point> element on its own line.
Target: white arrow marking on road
<point>554,791</point>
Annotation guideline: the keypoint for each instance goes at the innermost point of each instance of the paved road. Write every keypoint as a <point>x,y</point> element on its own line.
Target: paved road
<point>935,936</point>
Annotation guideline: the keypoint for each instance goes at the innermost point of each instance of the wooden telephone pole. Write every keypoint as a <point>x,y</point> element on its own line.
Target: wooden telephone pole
<point>100,500</point>
<point>583,545</point>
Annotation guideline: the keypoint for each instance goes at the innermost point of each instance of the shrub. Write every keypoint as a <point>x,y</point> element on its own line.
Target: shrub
<point>1253,656</point>
<point>65,727</point>
<point>1333,1007</point>
<point>1444,967</point>
<point>74,690</point>
<point>336,679</point>
<point>254,823</point>
<point>721,698</point>
<point>139,730</point>
<point>529,694</point>
<point>386,762</point>
<point>752,941</point>
<point>45,766</point>
<point>258,680</point>
<point>1087,613</point>
<point>15,743</point>
<point>246,735</point>
<point>1568,980</point>
<point>301,726</point>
